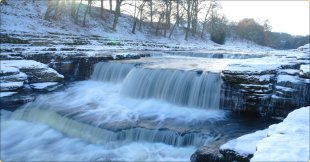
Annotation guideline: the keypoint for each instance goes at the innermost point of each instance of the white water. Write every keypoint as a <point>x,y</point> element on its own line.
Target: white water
<point>101,104</point>
<point>95,120</point>
<point>186,88</point>
<point>97,135</point>
<point>111,72</point>
<point>27,141</point>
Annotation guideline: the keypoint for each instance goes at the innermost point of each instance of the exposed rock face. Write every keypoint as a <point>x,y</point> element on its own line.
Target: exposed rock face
<point>17,74</point>
<point>267,87</point>
<point>28,71</point>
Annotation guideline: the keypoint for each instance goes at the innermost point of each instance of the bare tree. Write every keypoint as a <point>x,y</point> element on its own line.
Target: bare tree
<point>151,11</point>
<point>206,18</point>
<point>87,11</point>
<point>101,8</point>
<point>188,9</point>
<point>52,7</point>
<point>111,6</point>
<point>117,13</point>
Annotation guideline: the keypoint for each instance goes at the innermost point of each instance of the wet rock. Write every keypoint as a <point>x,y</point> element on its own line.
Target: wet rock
<point>205,154</point>
<point>14,101</point>
<point>4,38</point>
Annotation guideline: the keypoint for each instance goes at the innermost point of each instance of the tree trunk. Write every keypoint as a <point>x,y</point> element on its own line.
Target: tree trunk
<point>77,11</point>
<point>141,14</point>
<point>205,21</point>
<point>56,9</point>
<point>73,8</point>
<point>133,31</point>
<point>48,10</point>
<point>178,12</point>
<point>117,13</point>
<point>158,24</point>
<point>188,19</point>
<point>86,12</point>
<point>110,1</point>
<point>151,6</point>
<point>176,24</point>
<point>101,8</point>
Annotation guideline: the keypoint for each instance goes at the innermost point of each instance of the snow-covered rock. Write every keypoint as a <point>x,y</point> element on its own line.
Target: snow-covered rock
<point>305,71</point>
<point>305,48</point>
<point>288,140</point>
<point>11,86</point>
<point>6,94</point>
<point>244,146</point>
<point>35,71</point>
<point>46,86</point>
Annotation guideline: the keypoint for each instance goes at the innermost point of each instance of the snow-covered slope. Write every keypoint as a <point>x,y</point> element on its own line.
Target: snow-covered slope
<point>24,16</point>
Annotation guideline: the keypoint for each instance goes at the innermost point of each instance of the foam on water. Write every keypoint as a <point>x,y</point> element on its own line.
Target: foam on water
<point>100,104</point>
<point>149,115</point>
<point>38,142</point>
<point>97,135</point>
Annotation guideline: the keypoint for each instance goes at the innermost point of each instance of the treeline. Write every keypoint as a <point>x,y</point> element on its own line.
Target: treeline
<point>261,34</point>
<point>163,17</point>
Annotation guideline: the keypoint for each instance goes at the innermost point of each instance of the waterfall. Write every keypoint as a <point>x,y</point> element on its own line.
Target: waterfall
<point>111,72</point>
<point>186,88</point>
<point>98,135</point>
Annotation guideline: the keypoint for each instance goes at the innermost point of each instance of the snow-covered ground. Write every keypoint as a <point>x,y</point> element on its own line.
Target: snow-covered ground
<point>21,16</point>
<point>286,141</point>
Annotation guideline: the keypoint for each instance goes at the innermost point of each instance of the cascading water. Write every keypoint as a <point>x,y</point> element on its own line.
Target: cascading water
<point>97,122</point>
<point>111,72</point>
<point>186,88</point>
<point>97,135</point>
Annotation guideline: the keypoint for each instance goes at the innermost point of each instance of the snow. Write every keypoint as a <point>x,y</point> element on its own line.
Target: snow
<point>285,89</point>
<point>288,140</point>
<point>305,48</point>
<point>41,86</point>
<point>5,70</point>
<point>287,78</point>
<point>22,64</point>
<point>22,16</point>
<point>305,68</point>
<point>11,86</point>
<point>6,94</point>
<point>246,144</point>
<point>27,64</point>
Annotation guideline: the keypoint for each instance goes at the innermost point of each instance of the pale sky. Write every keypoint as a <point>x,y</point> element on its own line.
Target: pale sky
<point>284,16</point>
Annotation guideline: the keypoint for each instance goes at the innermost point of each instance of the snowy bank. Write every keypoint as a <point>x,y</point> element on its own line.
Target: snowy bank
<point>286,141</point>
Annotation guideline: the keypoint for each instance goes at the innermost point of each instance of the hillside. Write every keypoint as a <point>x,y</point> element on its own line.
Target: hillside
<point>22,16</point>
